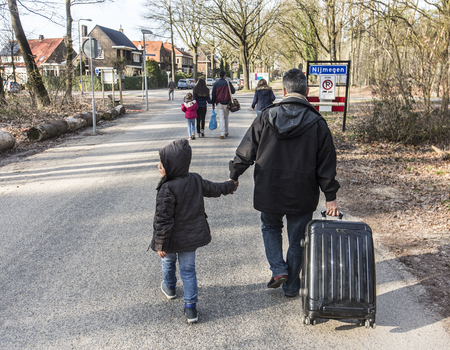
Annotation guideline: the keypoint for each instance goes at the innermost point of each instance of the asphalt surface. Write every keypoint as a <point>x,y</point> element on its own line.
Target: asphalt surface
<point>75,224</point>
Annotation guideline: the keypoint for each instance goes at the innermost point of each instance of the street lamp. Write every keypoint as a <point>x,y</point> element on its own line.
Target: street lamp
<point>145,31</point>
<point>79,42</point>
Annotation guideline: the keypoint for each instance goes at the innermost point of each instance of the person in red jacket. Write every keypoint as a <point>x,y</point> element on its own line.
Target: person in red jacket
<point>189,107</point>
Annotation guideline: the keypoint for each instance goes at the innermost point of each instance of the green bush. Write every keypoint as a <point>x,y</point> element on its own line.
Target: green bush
<point>133,83</point>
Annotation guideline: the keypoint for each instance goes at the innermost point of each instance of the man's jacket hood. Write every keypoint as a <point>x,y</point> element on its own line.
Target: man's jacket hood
<point>176,158</point>
<point>290,121</point>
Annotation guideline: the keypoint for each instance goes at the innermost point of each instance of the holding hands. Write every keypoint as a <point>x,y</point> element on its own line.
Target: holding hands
<point>236,185</point>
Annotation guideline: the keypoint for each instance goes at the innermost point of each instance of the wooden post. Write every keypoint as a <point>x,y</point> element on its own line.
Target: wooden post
<point>120,87</point>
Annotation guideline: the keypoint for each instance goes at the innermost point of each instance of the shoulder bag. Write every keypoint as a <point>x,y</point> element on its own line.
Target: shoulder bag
<point>234,104</point>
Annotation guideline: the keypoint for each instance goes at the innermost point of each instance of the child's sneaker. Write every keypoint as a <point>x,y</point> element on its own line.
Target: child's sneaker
<point>190,311</point>
<point>169,293</point>
<point>193,136</point>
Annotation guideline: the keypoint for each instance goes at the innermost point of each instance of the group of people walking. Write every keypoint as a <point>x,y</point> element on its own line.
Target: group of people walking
<point>295,158</point>
<point>195,104</point>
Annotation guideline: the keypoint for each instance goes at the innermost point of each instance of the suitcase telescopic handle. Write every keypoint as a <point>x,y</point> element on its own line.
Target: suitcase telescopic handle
<point>324,215</point>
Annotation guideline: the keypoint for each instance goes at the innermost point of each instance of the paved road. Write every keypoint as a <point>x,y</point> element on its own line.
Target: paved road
<point>75,223</point>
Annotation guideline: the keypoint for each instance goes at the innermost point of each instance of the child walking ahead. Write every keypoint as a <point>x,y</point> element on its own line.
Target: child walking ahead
<point>180,225</point>
<point>189,107</point>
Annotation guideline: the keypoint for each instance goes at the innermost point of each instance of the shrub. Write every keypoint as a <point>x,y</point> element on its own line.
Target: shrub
<point>394,115</point>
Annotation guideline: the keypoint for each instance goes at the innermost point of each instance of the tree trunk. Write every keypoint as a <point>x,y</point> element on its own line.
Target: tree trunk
<point>244,60</point>
<point>194,62</point>
<point>2,91</point>
<point>69,54</point>
<point>13,64</point>
<point>173,48</point>
<point>445,70</point>
<point>331,28</point>
<point>34,77</point>
<point>47,131</point>
<point>7,141</point>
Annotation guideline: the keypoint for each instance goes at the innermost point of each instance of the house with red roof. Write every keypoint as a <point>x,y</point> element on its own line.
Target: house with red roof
<point>183,59</point>
<point>156,51</point>
<point>49,55</point>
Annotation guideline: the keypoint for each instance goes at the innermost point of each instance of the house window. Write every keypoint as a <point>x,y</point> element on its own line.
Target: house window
<point>178,60</point>
<point>136,57</point>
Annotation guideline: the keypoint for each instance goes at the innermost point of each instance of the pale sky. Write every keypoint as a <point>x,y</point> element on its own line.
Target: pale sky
<point>127,13</point>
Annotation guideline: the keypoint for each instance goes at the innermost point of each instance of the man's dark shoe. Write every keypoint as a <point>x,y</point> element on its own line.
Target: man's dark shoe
<point>169,293</point>
<point>277,281</point>
<point>191,314</point>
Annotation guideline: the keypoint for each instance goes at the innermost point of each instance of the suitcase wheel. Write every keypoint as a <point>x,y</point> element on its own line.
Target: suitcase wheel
<point>369,324</point>
<point>307,321</point>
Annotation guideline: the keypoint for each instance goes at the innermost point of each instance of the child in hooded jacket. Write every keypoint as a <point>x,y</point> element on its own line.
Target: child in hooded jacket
<point>179,225</point>
<point>189,107</point>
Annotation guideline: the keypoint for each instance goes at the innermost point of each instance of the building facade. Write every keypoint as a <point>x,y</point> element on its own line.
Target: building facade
<point>117,52</point>
<point>49,55</point>
<point>156,51</point>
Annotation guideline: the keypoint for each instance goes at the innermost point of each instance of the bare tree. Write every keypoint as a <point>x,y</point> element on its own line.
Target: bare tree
<point>69,42</point>
<point>243,24</point>
<point>34,76</point>
<point>183,16</point>
<point>163,13</point>
<point>189,24</point>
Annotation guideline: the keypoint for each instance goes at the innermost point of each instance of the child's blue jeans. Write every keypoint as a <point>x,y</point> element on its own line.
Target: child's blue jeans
<point>191,126</point>
<point>186,262</point>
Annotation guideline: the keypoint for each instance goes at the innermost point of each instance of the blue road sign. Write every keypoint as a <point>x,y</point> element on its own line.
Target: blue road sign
<point>328,70</point>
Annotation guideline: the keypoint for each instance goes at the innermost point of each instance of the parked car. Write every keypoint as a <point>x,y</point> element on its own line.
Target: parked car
<point>183,84</point>
<point>236,84</point>
<point>11,86</point>
<point>191,83</point>
<point>209,82</point>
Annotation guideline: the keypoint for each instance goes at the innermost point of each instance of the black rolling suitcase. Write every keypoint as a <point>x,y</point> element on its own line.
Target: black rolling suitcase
<point>338,273</point>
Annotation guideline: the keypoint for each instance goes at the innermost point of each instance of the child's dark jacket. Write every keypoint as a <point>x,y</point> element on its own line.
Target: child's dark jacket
<point>180,220</point>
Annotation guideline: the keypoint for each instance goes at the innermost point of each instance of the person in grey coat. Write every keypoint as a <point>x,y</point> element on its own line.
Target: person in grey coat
<point>171,87</point>
<point>179,225</point>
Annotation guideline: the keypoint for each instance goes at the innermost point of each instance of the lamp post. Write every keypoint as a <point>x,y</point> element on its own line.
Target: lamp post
<point>79,43</point>
<point>145,31</point>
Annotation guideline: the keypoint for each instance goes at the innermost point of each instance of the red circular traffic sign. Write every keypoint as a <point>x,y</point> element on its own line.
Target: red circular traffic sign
<point>327,84</point>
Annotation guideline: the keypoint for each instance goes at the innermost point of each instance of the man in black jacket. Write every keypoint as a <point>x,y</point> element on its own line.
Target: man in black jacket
<point>295,156</point>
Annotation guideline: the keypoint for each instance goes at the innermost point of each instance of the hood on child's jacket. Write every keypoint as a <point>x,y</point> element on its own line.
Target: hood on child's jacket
<point>189,103</point>
<point>176,158</point>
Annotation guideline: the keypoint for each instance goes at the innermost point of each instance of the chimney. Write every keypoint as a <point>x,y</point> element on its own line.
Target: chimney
<point>41,37</point>
<point>83,31</point>
<point>120,29</point>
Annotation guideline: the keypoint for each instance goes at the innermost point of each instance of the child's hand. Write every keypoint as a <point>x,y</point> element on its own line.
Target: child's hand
<point>236,185</point>
<point>161,254</point>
